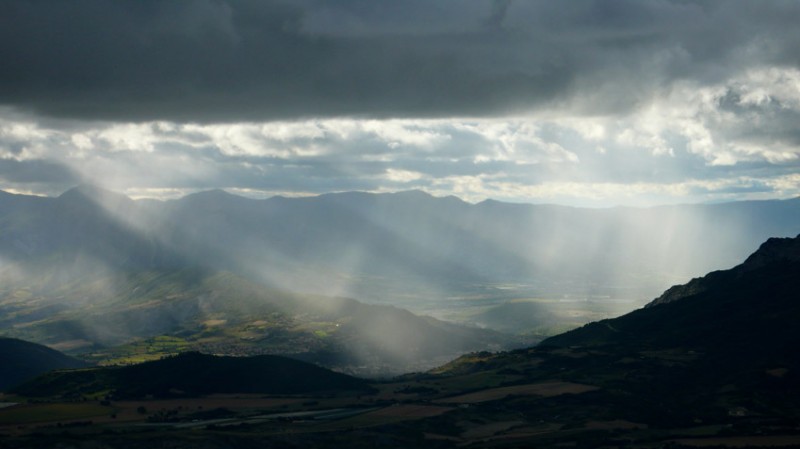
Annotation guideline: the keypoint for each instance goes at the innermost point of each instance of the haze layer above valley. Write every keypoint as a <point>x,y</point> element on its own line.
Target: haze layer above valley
<point>513,267</point>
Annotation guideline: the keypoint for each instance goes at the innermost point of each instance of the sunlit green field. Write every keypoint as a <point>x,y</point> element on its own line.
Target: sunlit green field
<point>141,351</point>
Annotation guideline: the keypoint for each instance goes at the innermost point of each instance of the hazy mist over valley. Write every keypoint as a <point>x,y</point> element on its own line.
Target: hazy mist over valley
<point>423,224</point>
<point>92,269</point>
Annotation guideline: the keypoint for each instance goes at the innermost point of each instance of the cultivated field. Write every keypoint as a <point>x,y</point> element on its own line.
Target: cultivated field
<point>546,389</point>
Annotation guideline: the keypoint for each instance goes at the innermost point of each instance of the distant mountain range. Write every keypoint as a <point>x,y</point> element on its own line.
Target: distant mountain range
<point>400,248</point>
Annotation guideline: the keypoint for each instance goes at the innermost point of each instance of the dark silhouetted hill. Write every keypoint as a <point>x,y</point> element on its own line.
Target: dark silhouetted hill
<point>194,374</point>
<point>747,309</point>
<point>718,353</point>
<point>21,361</point>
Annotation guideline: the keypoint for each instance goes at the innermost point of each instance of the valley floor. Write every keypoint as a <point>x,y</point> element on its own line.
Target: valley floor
<point>477,409</point>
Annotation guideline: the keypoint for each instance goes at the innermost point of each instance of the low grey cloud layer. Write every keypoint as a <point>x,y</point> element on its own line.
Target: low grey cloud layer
<point>207,60</point>
<point>581,102</point>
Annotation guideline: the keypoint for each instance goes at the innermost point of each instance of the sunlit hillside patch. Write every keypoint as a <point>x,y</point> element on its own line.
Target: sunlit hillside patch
<point>142,351</point>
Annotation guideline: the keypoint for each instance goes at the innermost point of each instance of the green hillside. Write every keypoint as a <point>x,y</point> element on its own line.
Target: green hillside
<point>133,316</point>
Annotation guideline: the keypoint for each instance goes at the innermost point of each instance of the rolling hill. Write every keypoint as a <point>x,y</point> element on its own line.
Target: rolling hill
<point>193,374</point>
<point>21,361</point>
<point>135,316</point>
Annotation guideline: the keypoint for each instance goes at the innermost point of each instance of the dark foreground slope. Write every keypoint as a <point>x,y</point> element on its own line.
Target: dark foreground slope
<point>750,312</point>
<point>715,358</point>
<point>193,374</point>
<point>21,360</point>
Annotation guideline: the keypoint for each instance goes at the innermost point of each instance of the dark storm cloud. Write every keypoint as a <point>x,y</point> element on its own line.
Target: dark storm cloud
<point>499,9</point>
<point>207,60</point>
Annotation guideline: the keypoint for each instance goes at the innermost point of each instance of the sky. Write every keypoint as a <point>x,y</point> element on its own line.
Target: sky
<point>588,103</point>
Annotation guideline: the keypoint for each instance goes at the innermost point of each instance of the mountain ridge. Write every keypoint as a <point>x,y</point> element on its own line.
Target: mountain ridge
<point>735,305</point>
<point>773,250</point>
<point>94,190</point>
